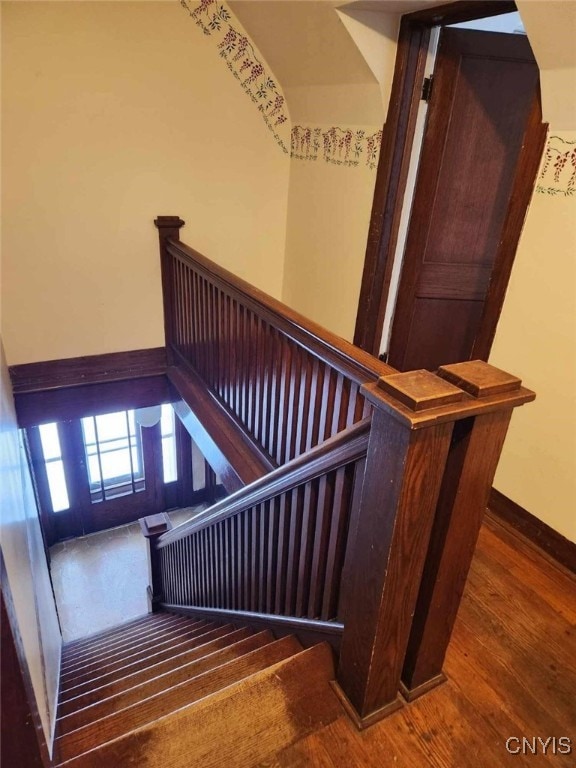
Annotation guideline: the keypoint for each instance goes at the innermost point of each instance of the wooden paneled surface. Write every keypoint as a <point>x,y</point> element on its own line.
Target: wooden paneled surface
<point>113,366</point>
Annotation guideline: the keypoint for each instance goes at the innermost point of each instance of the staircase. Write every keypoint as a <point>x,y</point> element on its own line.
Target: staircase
<point>173,691</point>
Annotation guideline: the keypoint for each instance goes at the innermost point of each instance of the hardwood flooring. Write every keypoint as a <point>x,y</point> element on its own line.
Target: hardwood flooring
<point>511,670</point>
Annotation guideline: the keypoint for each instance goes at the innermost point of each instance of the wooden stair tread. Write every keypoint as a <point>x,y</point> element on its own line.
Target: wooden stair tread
<point>142,675</point>
<point>107,634</point>
<point>133,650</point>
<point>100,648</point>
<point>166,701</point>
<point>110,675</point>
<point>263,714</point>
<point>106,706</point>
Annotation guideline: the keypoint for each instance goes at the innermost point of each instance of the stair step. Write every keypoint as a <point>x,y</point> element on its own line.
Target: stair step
<point>239,726</point>
<point>133,648</point>
<point>100,647</point>
<point>165,702</point>
<point>140,664</point>
<point>141,676</point>
<point>105,634</point>
<point>183,673</point>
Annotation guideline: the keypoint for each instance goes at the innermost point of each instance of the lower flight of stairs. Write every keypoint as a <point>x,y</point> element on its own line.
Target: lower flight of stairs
<point>173,691</point>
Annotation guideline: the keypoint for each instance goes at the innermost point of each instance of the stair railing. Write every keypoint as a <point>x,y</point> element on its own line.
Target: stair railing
<point>276,547</point>
<point>289,382</point>
<point>370,531</point>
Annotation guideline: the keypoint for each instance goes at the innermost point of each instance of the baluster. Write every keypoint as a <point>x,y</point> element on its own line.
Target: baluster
<point>237,533</point>
<point>314,405</point>
<point>284,506</point>
<point>272,554</point>
<point>285,405</point>
<point>188,325</point>
<point>306,545</point>
<point>247,561</point>
<point>267,356</point>
<point>293,401</point>
<point>275,375</point>
<point>206,590</point>
<point>254,563</point>
<point>303,404</point>
<point>213,325</point>
<point>321,540</point>
<point>339,526</point>
<point>296,512</point>
<point>328,395</point>
<point>263,524</point>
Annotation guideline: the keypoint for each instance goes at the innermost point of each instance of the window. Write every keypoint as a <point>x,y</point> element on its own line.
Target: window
<point>168,444</point>
<point>113,444</point>
<point>52,451</point>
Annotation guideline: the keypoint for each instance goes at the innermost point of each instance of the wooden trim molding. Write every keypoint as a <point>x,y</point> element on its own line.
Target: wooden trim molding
<point>308,631</point>
<point>89,369</point>
<point>23,742</point>
<point>513,516</point>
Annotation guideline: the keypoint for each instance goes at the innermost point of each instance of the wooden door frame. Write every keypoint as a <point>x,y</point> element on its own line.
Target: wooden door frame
<point>393,165</point>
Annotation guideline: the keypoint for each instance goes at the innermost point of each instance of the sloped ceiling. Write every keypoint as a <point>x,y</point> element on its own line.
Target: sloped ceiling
<point>320,56</point>
<point>305,43</point>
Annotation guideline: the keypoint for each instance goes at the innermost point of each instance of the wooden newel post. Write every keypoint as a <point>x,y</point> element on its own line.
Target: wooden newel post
<point>405,462</point>
<point>168,229</point>
<point>476,446</point>
<point>424,466</point>
<point>152,528</point>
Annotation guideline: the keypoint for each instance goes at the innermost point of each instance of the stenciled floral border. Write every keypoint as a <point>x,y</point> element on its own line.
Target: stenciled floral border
<point>341,146</point>
<point>558,173</point>
<point>217,21</point>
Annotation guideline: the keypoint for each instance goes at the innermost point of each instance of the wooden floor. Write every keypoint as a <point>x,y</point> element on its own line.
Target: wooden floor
<point>512,674</point>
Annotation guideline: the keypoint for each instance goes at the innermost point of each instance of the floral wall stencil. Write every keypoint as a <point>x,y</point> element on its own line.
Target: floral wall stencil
<point>341,146</point>
<point>216,20</point>
<point>558,174</point>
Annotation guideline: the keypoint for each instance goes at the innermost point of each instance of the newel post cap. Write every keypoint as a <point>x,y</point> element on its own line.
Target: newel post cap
<point>422,398</point>
<point>480,379</point>
<point>169,222</point>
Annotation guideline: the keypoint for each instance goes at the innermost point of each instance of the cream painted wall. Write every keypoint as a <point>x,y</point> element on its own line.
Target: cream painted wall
<point>536,335</point>
<point>114,113</point>
<point>28,577</point>
<point>328,217</point>
<point>329,205</point>
<point>536,339</point>
<point>551,29</point>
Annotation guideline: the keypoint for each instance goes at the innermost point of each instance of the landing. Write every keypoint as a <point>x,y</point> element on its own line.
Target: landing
<point>100,580</point>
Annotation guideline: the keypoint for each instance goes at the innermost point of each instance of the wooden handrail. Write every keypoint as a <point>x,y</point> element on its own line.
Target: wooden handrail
<point>344,356</point>
<point>344,448</point>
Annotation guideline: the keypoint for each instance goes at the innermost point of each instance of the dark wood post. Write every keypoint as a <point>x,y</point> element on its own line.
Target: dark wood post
<point>152,528</point>
<point>389,538</point>
<point>434,446</point>
<point>168,229</point>
<point>472,461</point>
